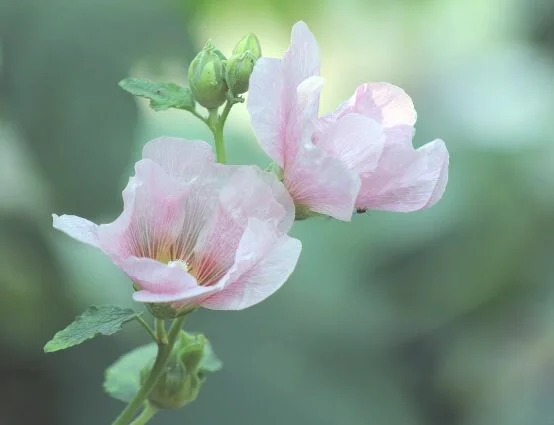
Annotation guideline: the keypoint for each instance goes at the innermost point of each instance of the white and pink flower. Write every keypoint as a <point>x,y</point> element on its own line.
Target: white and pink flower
<point>359,157</point>
<point>197,233</point>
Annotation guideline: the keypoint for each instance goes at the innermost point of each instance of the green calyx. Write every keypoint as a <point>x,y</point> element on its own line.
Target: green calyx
<point>184,373</point>
<point>207,77</point>
<point>167,311</point>
<point>303,212</point>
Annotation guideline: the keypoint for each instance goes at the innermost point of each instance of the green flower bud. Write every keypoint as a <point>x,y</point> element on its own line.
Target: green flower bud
<point>249,43</point>
<point>184,374</point>
<point>207,77</point>
<point>238,71</point>
<point>175,388</point>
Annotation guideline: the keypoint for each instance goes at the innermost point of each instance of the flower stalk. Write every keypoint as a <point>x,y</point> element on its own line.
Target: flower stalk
<point>147,414</point>
<point>216,123</point>
<point>165,345</point>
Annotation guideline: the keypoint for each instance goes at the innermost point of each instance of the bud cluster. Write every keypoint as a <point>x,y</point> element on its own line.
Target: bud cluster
<point>214,79</point>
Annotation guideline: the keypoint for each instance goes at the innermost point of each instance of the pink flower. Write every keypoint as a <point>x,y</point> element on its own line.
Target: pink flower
<point>197,233</point>
<point>359,157</point>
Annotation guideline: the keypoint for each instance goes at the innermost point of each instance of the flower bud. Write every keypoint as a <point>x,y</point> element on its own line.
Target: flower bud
<point>175,388</point>
<point>207,77</point>
<point>185,372</point>
<point>238,71</point>
<point>182,378</point>
<point>249,43</point>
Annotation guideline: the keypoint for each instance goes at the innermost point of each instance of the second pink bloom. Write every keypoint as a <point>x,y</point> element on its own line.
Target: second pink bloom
<point>360,157</point>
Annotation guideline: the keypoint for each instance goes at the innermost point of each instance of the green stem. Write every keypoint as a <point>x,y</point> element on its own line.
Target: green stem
<point>215,123</point>
<point>225,113</point>
<point>200,117</point>
<point>147,414</point>
<point>164,350</point>
<point>160,330</point>
<point>146,327</point>
<point>220,155</point>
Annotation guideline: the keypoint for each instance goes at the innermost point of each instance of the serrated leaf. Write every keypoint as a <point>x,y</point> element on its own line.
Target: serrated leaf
<point>97,320</point>
<point>122,380</point>
<point>162,95</point>
<point>210,362</point>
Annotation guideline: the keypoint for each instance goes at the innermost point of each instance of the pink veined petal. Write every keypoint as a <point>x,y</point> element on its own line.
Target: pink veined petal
<point>386,104</point>
<point>301,89</point>
<point>159,282</point>
<point>162,216</point>
<point>355,139</point>
<point>406,180</point>
<point>264,261</point>
<point>301,61</point>
<point>179,158</point>
<point>282,196</point>
<point>246,195</point>
<point>108,234</point>
<point>322,182</point>
<point>277,118</point>
<point>151,214</point>
<point>253,193</point>
<point>302,120</point>
<point>265,108</point>
<point>78,228</point>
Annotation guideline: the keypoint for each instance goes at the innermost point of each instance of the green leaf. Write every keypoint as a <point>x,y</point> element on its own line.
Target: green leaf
<point>122,379</point>
<point>210,362</point>
<point>97,320</point>
<point>162,95</point>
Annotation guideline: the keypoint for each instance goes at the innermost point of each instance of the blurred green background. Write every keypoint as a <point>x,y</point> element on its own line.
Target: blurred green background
<point>445,316</point>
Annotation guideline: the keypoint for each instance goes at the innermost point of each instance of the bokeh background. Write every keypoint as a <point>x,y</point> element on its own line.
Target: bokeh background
<point>444,316</point>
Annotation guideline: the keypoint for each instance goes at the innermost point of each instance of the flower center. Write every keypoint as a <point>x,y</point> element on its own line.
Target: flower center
<point>179,263</point>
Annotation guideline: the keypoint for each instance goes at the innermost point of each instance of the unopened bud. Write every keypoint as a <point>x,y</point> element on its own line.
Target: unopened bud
<point>249,43</point>
<point>238,71</point>
<point>184,373</point>
<point>207,77</point>
<point>176,387</point>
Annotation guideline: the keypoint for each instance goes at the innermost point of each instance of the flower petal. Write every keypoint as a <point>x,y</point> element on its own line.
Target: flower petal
<point>253,193</point>
<point>246,195</point>
<point>179,158</point>
<point>406,179</point>
<point>264,261</point>
<point>386,104</point>
<point>277,114</point>
<point>162,216</point>
<point>282,196</point>
<point>322,183</point>
<point>78,228</point>
<point>159,282</point>
<point>301,61</point>
<point>265,108</point>
<point>356,140</point>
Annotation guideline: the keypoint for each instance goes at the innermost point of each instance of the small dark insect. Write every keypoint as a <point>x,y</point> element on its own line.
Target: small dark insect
<point>361,210</point>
